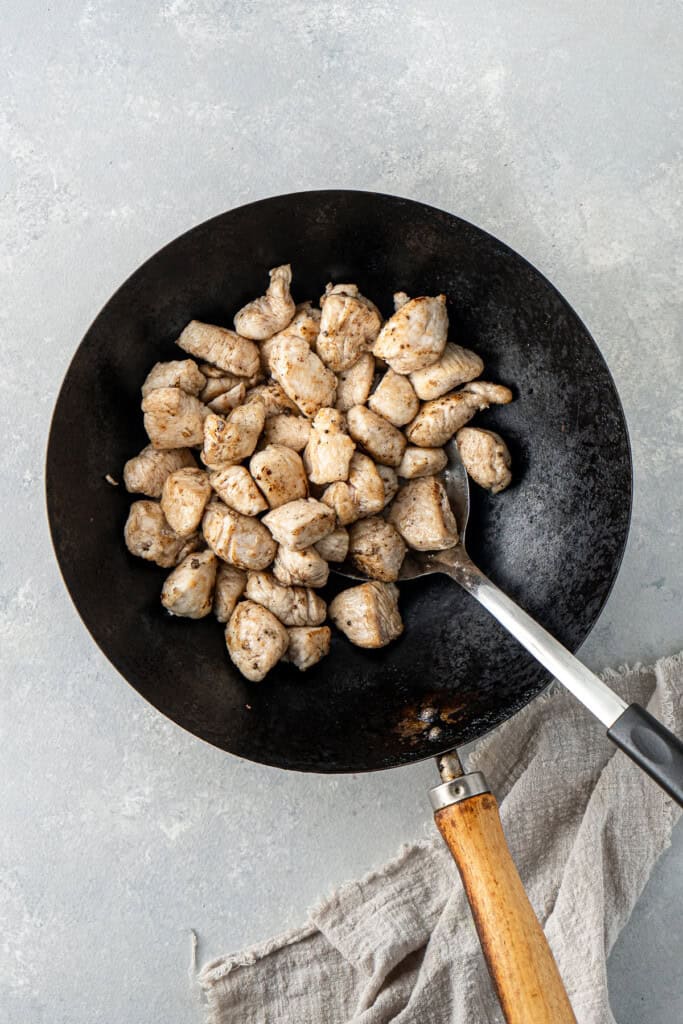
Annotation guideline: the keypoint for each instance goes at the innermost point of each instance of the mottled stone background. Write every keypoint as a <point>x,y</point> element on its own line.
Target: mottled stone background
<point>555,126</point>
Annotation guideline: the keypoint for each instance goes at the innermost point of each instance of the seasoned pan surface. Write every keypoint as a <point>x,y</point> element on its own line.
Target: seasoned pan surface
<point>553,541</point>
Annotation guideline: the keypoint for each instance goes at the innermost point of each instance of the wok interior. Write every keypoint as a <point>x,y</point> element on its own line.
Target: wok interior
<point>553,540</point>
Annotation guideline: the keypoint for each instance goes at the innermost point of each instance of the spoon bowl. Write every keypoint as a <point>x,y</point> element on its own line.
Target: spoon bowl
<point>424,563</point>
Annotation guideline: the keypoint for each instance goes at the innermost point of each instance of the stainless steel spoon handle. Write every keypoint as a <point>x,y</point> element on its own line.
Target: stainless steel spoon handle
<point>584,684</point>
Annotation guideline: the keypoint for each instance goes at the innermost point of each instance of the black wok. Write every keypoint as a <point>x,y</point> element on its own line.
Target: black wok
<point>553,541</point>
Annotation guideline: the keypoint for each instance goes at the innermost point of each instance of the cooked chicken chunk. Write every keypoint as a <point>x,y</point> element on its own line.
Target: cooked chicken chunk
<point>394,399</point>
<point>303,375</point>
<point>339,289</point>
<point>415,336</point>
<point>368,615</point>
<point>236,487</point>
<point>149,536</point>
<point>348,326</point>
<point>290,431</point>
<point>300,524</point>
<point>354,384</point>
<point>217,386</point>
<point>361,495</point>
<point>439,419</point>
<point>329,450</point>
<point>230,585</point>
<point>264,317</point>
<point>390,481</point>
<point>173,419</point>
<point>400,299</point>
<point>183,499</point>
<point>305,568</point>
<point>256,640</point>
<point>485,457</point>
<point>279,472</point>
<point>307,645</point>
<point>378,437</point>
<point>239,540</point>
<point>188,590</point>
<point>228,380</point>
<point>494,394</point>
<point>229,400</point>
<point>221,347</point>
<point>456,366</point>
<point>294,606</point>
<point>231,440</point>
<point>422,462</point>
<point>376,549</point>
<point>423,516</point>
<point>180,373</point>
<point>304,327</point>
<point>272,397</point>
<point>145,474</point>
<point>334,547</point>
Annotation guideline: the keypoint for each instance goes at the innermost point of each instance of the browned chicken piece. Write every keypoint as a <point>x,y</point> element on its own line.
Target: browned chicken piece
<point>146,472</point>
<point>235,486</point>
<point>354,384</point>
<point>390,481</point>
<point>184,497</point>
<point>300,524</point>
<point>239,540</point>
<point>304,377</point>
<point>149,536</point>
<point>290,431</point>
<point>307,645</point>
<point>423,516</point>
<point>173,419</point>
<point>305,568</point>
<point>230,585</point>
<point>485,457</point>
<point>422,462</point>
<point>376,549</point>
<point>368,615</point>
<point>334,547</point>
<point>456,366</point>
<point>329,450</point>
<point>229,400</point>
<point>493,394</point>
<point>279,472</point>
<point>188,590</point>
<point>415,336</point>
<point>264,317</point>
<point>256,640</point>
<point>304,326</point>
<point>394,399</point>
<point>377,436</point>
<point>221,347</point>
<point>180,373</point>
<point>273,398</point>
<point>294,606</point>
<point>216,386</point>
<point>400,299</point>
<point>340,289</point>
<point>361,495</point>
<point>348,326</point>
<point>439,419</point>
<point>229,379</point>
<point>231,440</point>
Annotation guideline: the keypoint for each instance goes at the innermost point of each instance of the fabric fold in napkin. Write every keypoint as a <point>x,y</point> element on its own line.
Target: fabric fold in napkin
<point>585,828</point>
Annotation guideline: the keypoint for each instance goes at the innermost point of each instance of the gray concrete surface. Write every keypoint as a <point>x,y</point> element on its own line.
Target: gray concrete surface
<point>557,128</point>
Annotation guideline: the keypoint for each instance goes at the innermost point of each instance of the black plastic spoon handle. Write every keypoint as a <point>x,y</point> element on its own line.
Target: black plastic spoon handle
<point>652,746</point>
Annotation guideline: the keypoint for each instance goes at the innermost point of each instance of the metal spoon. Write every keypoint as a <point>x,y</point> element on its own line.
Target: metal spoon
<point>634,730</point>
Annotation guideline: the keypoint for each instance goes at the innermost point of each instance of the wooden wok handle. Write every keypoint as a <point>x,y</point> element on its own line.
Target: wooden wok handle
<point>519,959</point>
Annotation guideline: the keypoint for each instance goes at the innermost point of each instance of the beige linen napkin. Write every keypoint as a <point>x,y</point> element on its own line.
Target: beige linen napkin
<point>585,827</point>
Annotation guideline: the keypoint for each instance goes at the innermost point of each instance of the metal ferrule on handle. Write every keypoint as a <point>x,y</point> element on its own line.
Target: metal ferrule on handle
<point>462,788</point>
